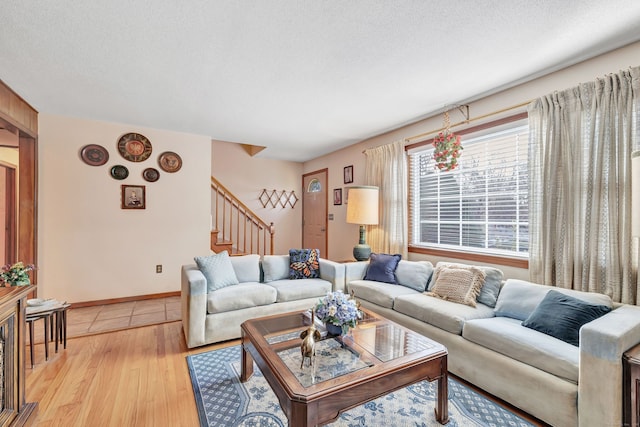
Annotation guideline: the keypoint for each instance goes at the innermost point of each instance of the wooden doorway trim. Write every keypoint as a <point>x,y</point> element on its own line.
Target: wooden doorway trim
<point>10,226</point>
<point>21,119</point>
<point>27,196</point>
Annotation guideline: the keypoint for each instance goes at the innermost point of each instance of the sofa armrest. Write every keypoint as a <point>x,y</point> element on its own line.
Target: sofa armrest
<point>333,272</point>
<point>355,271</point>
<point>193,297</point>
<point>602,344</point>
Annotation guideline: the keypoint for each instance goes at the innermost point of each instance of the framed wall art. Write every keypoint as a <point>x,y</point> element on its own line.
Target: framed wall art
<point>337,196</point>
<point>348,174</point>
<point>133,197</point>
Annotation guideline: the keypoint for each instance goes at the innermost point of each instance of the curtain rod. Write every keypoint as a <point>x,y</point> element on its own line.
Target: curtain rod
<point>484,116</point>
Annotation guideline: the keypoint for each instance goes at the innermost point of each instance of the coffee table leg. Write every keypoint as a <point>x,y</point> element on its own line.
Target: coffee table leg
<point>442,405</point>
<point>247,362</point>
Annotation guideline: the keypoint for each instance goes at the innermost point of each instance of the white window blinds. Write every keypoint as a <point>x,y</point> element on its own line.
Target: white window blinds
<point>481,206</point>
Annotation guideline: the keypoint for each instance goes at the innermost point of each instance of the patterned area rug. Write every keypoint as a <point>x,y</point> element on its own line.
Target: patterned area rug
<point>222,400</point>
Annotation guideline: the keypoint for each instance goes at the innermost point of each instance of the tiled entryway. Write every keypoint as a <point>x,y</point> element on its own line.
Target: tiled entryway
<point>110,317</point>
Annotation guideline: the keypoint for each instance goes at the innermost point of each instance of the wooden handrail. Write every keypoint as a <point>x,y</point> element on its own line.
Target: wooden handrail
<point>232,208</point>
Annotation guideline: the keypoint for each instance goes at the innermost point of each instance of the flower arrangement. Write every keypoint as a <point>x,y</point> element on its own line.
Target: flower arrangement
<point>338,309</point>
<point>447,150</point>
<point>16,274</point>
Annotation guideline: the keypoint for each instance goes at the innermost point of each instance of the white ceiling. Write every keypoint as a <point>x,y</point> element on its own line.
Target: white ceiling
<point>301,77</point>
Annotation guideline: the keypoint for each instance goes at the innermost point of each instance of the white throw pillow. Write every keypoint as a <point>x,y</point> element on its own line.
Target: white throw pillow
<point>246,267</point>
<point>218,270</point>
<point>275,267</point>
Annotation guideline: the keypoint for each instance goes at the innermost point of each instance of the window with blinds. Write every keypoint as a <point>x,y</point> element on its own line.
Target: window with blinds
<point>482,205</point>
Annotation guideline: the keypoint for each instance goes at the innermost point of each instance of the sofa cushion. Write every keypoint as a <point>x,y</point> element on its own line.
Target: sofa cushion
<point>382,268</point>
<point>244,295</point>
<point>304,264</point>
<point>293,290</point>
<point>379,293</point>
<point>218,270</point>
<point>246,267</point>
<point>458,284</point>
<point>492,282</point>
<point>443,314</point>
<point>518,298</point>
<point>275,267</point>
<point>562,316</point>
<point>414,274</point>
<point>507,336</point>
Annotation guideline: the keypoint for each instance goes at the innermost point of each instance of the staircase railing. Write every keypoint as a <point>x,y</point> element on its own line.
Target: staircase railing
<point>238,225</point>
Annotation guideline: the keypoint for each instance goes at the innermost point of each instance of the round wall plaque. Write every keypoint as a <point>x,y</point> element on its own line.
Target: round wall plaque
<point>151,174</point>
<point>94,155</point>
<point>170,162</point>
<point>119,172</point>
<point>134,147</point>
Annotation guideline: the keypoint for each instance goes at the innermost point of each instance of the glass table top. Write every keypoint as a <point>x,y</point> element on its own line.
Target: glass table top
<point>371,342</point>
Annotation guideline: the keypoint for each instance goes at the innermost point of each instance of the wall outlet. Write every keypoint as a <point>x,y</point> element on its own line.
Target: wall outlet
<point>159,268</point>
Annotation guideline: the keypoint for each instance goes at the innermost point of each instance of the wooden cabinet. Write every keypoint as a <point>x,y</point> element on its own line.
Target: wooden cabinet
<point>631,387</point>
<point>14,411</point>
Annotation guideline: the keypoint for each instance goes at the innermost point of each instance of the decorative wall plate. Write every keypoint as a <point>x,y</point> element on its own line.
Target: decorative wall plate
<point>119,172</point>
<point>151,174</point>
<point>170,162</point>
<point>134,147</point>
<point>94,155</point>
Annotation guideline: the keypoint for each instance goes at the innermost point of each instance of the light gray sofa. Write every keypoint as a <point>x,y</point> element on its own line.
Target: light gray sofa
<point>559,383</point>
<point>264,289</point>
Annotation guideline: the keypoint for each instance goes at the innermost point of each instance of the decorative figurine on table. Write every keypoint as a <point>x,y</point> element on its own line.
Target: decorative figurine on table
<point>353,298</point>
<point>309,338</point>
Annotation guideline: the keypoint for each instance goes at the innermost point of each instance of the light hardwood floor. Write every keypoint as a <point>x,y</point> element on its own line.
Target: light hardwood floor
<point>135,377</point>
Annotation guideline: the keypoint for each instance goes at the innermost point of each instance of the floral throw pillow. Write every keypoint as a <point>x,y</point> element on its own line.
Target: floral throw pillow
<point>304,263</point>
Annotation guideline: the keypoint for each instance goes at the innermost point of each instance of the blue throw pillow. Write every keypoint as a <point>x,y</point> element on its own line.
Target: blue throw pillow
<point>304,263</point>
<point>218,270</point>
<point>382,268</point>
<point>562,316</point>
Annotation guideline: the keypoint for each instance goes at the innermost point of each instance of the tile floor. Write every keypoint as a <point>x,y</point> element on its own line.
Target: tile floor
<point>112,317</point>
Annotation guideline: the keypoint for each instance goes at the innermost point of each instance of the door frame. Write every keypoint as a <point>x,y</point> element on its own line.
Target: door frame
<point>326,207</point>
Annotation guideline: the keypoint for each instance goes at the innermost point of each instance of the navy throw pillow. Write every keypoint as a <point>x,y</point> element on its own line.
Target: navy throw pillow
<point>562,316</point>
<point>382,268</point>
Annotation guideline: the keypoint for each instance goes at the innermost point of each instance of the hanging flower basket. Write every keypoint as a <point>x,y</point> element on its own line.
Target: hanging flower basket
<point>447,150</point>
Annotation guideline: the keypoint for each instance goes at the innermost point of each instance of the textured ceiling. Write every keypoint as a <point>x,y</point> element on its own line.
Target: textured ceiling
<point>301,77</point>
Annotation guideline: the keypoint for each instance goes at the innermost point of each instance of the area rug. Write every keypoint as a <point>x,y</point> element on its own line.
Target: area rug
<point>222,400</point>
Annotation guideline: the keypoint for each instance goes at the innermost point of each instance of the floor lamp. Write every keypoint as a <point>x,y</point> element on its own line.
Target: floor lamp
<point>362,209</point>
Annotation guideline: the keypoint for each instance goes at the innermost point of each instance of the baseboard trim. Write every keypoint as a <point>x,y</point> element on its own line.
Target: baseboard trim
<point>124,299</point>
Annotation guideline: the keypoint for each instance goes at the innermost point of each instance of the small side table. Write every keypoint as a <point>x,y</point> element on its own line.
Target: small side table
<point>631,387</point>
<point>31,320</point>
<point>54,314</point>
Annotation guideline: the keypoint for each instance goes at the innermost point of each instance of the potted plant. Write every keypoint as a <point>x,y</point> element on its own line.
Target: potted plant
<point>16,274</point>
<point>338,312</point>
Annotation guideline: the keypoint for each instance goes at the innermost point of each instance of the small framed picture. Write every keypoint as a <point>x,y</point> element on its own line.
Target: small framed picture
<point>348,174</point>
<point>337,196</point>
<point>133,197</point>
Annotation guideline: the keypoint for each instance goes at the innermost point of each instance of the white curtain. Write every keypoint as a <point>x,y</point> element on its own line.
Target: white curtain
<point>386,168</point>
<point>581,142</point>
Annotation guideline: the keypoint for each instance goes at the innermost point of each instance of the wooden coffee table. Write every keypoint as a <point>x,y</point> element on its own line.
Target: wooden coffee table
<point>374,359</point>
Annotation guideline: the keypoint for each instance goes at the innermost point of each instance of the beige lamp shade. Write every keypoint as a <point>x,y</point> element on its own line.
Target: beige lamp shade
<point>362,206</point>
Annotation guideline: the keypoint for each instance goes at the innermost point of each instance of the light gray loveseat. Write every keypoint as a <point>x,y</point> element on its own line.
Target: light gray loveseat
<point>557,382</point>
<point>264,289</point>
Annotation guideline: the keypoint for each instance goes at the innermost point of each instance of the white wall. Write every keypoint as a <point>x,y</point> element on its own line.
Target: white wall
<point>246,177</point>
<point>343,236</point>
<point>88,247</point>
